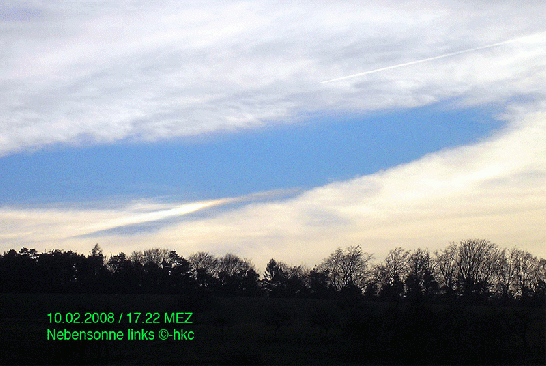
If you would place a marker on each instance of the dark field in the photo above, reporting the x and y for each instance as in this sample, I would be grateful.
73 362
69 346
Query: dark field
274 331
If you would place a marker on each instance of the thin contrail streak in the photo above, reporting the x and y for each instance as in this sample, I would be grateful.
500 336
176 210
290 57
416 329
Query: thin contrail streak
423 60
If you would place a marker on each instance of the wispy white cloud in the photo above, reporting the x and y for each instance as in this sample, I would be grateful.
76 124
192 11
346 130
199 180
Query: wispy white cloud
107 71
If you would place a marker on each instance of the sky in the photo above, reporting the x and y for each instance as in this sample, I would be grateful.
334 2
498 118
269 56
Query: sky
269 129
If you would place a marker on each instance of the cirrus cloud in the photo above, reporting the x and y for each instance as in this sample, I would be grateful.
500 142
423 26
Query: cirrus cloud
107 71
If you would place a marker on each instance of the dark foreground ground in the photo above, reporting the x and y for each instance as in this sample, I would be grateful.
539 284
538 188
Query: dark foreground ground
268 331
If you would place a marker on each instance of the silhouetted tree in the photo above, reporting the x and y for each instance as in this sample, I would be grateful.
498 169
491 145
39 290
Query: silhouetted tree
420 282
58 271
391 274
347 268
93 273
281 280
446 270
236 276
320 286
96 251
477 262
155 255
203 268
521 275
177 271
475 270
18 271
123 272
372 290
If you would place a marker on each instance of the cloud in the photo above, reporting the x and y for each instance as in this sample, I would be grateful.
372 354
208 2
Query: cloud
147 71
493 189
157 215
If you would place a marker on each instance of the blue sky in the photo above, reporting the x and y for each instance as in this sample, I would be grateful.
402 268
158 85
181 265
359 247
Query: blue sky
266 129
319 151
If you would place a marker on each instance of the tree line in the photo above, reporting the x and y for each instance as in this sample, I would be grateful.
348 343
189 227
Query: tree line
473 270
